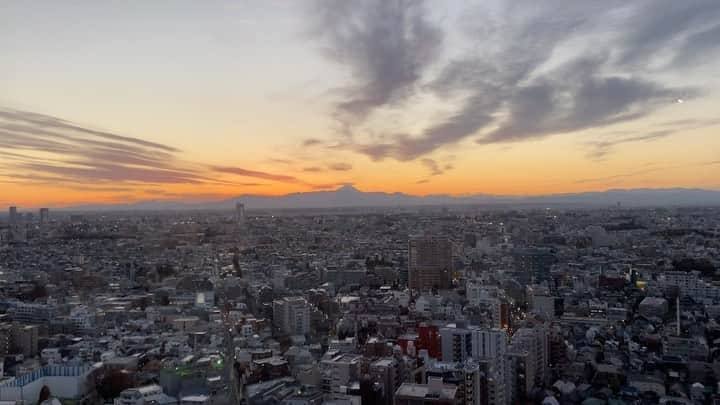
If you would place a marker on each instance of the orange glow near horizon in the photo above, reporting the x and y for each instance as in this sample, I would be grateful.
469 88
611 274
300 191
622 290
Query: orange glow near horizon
144 110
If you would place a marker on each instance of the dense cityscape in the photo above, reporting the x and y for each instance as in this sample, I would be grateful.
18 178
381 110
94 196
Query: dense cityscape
360 202
419 305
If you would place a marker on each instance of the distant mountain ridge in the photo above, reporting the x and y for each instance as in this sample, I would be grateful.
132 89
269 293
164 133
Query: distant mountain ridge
350 197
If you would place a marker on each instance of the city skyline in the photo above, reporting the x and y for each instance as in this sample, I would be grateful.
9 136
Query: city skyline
106 104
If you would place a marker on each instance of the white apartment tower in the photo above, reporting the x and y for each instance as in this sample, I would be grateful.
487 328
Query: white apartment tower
291 316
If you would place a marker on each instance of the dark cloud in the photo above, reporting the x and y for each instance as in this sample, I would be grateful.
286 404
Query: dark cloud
654 26
312 142
328 186
698 46
340 167
335 167
238 171
564 103
386 45
537 70
433 166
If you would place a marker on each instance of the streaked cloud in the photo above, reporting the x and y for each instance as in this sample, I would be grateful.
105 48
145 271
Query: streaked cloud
43 149
603 146
238 171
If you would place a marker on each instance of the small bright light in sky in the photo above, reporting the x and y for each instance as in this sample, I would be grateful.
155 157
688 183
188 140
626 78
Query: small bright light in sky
679 101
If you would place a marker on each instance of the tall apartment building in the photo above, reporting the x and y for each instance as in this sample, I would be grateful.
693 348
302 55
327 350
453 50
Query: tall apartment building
386 371
483 351
341 370
488 343
690 284
13 216
534 263
429 263
456 344
25 339
240 214
6 340
44 216
531 346
30 312
291 316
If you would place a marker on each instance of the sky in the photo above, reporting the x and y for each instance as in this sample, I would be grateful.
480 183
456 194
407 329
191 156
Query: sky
122 101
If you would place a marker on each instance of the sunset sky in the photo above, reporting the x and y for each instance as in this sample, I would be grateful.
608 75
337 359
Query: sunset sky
120 101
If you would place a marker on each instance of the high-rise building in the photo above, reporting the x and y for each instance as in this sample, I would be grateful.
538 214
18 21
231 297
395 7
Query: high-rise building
490 382
25 339
339 371
44 216
456 344
386 372
486 347
429 263
488 343
6 339
17 231
240 213
13 216
291 316
533 344
534 263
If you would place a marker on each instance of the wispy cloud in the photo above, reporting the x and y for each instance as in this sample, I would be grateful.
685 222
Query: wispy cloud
49 147
42 149
601 148
340 167
332 167
386 45
312 142
647 170
528 74
38 121
434 167
238 171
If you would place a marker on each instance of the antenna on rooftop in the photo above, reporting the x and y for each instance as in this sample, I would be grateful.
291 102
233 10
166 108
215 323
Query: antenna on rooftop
677 305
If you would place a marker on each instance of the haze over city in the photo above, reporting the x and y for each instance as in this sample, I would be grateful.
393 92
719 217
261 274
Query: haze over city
107 103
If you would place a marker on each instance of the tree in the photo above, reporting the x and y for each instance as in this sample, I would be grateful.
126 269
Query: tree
114 383
44 394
